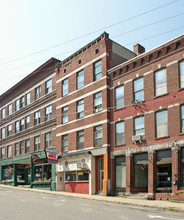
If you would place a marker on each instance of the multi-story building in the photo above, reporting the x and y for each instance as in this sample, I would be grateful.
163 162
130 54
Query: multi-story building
146 122
28 127
82 130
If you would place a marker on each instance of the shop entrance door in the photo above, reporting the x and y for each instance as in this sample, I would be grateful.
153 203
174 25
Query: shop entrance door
100 175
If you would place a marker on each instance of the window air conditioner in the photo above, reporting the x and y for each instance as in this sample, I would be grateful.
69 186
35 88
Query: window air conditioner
138 138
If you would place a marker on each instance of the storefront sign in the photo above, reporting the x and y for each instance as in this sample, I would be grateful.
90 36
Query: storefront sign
35 159
52 156
10 169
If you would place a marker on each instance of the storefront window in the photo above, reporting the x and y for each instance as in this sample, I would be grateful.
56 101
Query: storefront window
140 170
75 176
8 173
42 172
182 167
120 172
164 168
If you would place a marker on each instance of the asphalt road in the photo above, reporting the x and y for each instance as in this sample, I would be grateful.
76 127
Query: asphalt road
25 205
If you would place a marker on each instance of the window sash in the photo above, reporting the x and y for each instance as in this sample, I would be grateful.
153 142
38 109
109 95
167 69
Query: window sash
98 70
65 87
3 114
17 105
3 133
120 133
139 125
21 147
119 97
80 79
9 151
65 143
98 136
37 92
37 143
181 68
28 98
27 146
16 149
48 86
65 115
10 109
80 139
160 82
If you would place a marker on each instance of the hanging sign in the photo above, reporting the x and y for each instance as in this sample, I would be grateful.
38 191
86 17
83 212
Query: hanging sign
52 156
35 159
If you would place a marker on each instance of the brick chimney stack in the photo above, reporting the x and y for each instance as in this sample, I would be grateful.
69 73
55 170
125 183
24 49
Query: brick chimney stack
139 49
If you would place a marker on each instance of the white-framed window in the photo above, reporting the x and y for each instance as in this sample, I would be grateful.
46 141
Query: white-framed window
80 79
48 140
182 118
3 113
22 147
80 108
98 136
120 133
139 125
65 114
48 113
28 98
161 124
27 145
80 139
9 109
37 118
3 153
75 176
65 143
9 130
48 86
22 102
16 149
27 122
16 126
181 70
65 87
98 102
9 151
97 70
138 90
119 97
2 133
36 143
37 92
22 124
160 82
17 105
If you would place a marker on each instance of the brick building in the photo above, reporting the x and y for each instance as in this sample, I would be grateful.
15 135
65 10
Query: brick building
146 123
27 127
82 130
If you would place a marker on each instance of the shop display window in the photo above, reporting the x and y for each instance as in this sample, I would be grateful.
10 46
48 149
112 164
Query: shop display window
74 176
120 172
8 173
182 167
42 172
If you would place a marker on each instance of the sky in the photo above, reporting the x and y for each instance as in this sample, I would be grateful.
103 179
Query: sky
33 31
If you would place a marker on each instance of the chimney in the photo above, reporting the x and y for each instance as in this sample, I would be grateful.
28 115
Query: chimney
139 49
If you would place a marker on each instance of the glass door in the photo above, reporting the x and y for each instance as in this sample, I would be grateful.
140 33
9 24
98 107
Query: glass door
100 175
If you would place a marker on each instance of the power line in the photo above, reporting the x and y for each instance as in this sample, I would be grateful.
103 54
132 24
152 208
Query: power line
85 35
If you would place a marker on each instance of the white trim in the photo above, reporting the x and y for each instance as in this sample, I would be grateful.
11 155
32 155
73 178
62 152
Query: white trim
127 118
130 80
147 73
173 62
83 127
82 67
81 97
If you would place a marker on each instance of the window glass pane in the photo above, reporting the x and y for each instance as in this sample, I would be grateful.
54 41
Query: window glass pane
161 117
120 133
160 76
121 175
119 96
139 125
80 79
138 84
65 87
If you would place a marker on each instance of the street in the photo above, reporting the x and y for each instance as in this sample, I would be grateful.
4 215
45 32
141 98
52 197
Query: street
27 205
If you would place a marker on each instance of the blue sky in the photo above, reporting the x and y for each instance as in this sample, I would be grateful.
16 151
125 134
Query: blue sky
50 26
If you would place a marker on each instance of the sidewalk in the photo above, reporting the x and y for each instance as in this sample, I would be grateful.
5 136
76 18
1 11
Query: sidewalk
165 205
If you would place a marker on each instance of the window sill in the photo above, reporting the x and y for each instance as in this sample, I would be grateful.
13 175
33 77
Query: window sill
155 97
181 134
158 138
121 145
180 89
119 109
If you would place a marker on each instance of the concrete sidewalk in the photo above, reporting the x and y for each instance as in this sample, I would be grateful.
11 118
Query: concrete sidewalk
165 205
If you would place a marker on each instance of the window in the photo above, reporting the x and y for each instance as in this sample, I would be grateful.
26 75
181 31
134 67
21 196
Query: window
97 70
48 113
16 149
73 176
80 109
182 166
65 143
65 87
98 102
9 151
16 126
27 123
9 130
22 102
37 92
139 125
120 163
22 124
37 143
3 113
37 118
138 90
182 118
3 153
65 114
98 136
28 98
80 79
160 82
181 69
120 133
17 105
27 146
9 109
140 162
42 172
48 86
80 140
48 140
2 133
161 124
21 147
119 97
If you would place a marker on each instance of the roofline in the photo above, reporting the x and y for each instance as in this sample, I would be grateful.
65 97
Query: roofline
52 59
140 55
